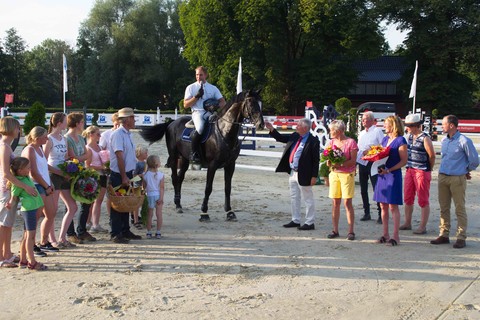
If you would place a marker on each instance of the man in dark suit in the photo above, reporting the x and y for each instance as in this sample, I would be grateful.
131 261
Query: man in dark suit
300 160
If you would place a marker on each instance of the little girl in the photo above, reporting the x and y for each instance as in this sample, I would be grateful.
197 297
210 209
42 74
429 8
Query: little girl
31 206
141 153
153 183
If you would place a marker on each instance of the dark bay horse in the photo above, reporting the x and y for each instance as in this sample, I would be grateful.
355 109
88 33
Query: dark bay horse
220 150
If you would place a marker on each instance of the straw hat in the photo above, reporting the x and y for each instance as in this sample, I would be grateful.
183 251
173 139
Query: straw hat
125 113
413 120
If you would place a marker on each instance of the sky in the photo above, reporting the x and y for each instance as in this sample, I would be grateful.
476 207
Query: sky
37 20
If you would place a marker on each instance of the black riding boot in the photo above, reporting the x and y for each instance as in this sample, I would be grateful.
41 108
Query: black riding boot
196 140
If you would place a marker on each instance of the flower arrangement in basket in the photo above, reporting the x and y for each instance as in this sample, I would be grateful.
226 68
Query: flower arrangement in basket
126 199
376 152
84 185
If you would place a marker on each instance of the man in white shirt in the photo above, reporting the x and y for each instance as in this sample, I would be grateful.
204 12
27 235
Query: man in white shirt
195 95
368 137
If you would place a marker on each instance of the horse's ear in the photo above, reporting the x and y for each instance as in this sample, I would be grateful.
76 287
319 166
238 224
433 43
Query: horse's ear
258 91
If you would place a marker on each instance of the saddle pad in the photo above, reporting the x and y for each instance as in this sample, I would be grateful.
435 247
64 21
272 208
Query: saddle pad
206 133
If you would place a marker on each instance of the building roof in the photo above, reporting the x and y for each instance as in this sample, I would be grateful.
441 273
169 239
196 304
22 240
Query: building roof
382 69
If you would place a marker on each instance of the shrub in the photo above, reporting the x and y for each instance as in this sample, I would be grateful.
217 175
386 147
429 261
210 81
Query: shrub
36 116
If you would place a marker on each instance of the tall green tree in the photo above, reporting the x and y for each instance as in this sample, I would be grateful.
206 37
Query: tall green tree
443 37
296 49
129 54
15 67
45 65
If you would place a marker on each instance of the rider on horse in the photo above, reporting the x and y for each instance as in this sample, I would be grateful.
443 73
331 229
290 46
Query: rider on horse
196 95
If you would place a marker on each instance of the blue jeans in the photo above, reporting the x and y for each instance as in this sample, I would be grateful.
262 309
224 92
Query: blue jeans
119 220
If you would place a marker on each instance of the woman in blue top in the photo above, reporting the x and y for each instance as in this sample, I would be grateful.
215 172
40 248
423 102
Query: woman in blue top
388 190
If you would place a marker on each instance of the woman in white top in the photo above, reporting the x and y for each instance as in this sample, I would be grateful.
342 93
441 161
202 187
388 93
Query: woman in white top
9 129
39 172
56 153
92 134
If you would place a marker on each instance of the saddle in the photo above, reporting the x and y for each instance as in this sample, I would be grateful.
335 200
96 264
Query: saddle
189 128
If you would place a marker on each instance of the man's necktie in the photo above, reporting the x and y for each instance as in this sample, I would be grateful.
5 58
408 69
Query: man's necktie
292 154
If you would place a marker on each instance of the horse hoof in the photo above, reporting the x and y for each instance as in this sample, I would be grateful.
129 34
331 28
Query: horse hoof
231 216
179 210
204 218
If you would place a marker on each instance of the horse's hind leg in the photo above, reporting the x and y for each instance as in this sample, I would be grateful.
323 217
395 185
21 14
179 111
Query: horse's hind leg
177 180
229 170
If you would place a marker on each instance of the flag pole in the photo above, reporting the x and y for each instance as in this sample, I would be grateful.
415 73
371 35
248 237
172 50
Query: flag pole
239 77
65 83
413 88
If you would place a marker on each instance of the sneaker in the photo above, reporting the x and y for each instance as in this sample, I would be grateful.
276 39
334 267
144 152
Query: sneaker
87 237
158 235
48 247
88 226
119 239
149 235
37 252
98 229
74 239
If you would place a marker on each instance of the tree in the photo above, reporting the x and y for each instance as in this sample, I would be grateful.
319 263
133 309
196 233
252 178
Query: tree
15 68
443 37
35 117
45 65
296 49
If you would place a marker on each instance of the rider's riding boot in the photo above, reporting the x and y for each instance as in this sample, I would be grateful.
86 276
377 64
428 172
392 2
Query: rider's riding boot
195 154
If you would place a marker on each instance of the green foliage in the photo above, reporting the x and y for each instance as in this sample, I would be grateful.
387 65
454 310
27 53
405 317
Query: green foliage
36 116
343 105
144 211
442 37
296 50
324 171
95 118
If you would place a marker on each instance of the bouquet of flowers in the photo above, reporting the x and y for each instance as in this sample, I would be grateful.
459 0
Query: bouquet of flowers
333 154
84 187
376 153
71 167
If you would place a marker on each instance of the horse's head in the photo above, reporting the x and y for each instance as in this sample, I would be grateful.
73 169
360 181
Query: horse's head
252 108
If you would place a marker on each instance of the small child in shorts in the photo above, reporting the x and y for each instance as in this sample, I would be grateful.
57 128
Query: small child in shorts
31 207
153 182
141 153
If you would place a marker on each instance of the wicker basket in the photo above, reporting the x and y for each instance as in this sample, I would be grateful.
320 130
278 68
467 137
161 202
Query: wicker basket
126 203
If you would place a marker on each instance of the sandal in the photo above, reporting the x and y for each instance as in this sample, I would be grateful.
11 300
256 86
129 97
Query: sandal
405 228
7 264
392 243
13 259
382 239
23 265
37 266
351 236
333 235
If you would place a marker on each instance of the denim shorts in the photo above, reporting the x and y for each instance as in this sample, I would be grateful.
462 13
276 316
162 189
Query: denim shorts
30 218
41 190
152 201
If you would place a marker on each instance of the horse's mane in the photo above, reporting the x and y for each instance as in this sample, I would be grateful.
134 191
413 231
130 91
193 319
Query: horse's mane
238 98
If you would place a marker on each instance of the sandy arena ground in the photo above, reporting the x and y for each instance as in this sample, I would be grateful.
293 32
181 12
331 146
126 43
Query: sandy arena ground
253 268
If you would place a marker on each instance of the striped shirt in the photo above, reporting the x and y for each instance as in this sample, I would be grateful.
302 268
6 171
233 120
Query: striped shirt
417 154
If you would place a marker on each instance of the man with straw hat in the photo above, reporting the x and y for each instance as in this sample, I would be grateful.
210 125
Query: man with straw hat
122 166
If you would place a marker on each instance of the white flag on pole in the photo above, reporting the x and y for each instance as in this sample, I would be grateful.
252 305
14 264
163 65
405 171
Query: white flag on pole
239 77
413 89
65 82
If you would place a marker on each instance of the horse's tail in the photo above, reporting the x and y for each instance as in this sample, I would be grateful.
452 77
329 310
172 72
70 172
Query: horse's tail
155 133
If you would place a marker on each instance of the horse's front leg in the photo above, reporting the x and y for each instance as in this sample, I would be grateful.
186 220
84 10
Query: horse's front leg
208 191
177 180
229 170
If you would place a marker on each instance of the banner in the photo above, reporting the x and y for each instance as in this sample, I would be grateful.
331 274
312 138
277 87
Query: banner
413 88
65 68
8 98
